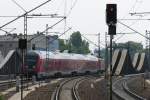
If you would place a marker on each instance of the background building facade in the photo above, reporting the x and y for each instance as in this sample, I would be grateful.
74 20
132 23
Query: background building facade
37 41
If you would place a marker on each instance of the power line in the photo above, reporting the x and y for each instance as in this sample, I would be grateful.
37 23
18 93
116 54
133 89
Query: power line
61 3
132 29
132 8
18 5
122 34
39 16
53 25
49 28
133 19
125 29
25 13
92 41
57 37
60 35
8 16
75 2
65 9
138 13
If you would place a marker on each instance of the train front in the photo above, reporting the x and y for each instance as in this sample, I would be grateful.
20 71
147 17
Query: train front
31 61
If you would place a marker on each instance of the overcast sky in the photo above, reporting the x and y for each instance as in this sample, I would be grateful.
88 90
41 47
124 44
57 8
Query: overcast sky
87 16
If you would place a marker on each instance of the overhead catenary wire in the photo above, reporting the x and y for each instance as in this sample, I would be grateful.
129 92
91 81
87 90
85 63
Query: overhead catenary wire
5 31
49 28
59 6
133 19
132 29
139 13
25 13
58 36
53 25
65 9
92 41
19 5
132 8
73 5
125 29
61 35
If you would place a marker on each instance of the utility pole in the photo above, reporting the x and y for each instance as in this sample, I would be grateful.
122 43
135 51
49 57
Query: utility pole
25 37
47 46
25 26
106 55
99 51
148 53
23 48
148 44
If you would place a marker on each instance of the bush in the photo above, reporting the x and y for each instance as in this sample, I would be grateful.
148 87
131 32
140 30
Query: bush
1 97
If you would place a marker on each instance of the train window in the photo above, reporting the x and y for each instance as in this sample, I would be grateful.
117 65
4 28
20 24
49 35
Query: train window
31 60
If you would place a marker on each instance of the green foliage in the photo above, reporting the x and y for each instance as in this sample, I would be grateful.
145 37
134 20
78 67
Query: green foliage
62 45
75 44
133 47
1 97
76 39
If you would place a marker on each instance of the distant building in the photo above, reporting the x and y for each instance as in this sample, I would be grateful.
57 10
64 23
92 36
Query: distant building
36 41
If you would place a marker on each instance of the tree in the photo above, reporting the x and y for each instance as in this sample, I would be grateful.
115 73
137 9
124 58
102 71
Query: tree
133 47
75 44
76 39
85 47
62 45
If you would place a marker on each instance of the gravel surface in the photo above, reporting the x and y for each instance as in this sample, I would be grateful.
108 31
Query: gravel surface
11 93
137 86
89 90
5 87
42 93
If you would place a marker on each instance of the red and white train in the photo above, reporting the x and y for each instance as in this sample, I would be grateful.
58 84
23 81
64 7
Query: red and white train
60 63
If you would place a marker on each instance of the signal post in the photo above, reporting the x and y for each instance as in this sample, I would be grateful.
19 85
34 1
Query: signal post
22 46
111 20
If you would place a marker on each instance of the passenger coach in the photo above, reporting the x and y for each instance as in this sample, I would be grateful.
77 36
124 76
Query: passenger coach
43 64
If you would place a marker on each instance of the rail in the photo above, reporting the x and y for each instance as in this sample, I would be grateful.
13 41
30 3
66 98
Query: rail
122 92
7 82
74 92
58 89
125 87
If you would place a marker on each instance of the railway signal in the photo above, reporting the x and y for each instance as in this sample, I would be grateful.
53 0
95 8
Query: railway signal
111 20
111 14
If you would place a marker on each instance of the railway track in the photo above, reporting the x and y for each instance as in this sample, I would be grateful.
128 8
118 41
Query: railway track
67 89
4 85
122 92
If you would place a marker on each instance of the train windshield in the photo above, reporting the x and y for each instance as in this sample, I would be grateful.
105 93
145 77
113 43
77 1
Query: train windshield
31 60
